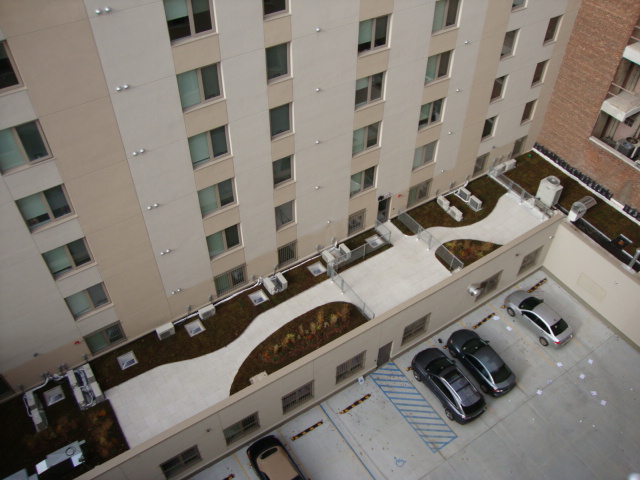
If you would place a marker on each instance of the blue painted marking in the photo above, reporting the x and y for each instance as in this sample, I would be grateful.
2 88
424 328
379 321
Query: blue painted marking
414 408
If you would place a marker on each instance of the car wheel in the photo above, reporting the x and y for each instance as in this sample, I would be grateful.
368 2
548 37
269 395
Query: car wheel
484 388
416 375
449 414
511 312
544 342
453 353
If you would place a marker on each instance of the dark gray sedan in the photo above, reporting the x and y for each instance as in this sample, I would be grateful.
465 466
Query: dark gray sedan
486 366
460 399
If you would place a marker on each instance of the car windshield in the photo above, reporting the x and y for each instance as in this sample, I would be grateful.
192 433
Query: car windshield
438 365
501 374
530 303
472 346
559 327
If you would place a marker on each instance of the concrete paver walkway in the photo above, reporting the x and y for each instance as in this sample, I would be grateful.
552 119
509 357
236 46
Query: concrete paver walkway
163 397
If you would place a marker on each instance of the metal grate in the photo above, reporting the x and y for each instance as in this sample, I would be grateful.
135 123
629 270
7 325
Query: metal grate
230 279
297 397
287 253
181 462
350 367
415 329
241 428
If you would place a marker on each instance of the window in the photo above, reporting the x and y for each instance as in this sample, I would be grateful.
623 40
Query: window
509 43
518 146
186 18
445 15
199 85
297 397
230 279
104 338
356 221
489 285
424 154
87 300
362 181
487 130
373 33
274 6
284 214
277 61
437 66
369 89
181 462
223 240
365 137
20 145
415 329
242 428
351 366
216 196
481 163
529 260
280 118
498 88
287 253
42 207
67 257
8 77
518 4
208 145
430 113
282 170
527 113
419 192
538 75
552 29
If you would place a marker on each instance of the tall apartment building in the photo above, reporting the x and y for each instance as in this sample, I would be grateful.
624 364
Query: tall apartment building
593 120
157 155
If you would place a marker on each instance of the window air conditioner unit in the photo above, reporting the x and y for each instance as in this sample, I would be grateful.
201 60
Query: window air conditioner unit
345 251
475 203
463 194
206 312
194 328
165 331
455 214
127 360
283 283
443 202
510 164
270 286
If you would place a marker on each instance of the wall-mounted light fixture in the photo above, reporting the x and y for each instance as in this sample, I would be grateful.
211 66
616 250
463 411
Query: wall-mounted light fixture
317 29
164 252
474 290
177 290
138 152
152 206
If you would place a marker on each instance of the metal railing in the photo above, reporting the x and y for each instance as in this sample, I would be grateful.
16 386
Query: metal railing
521 193
453 262
383 231
345 288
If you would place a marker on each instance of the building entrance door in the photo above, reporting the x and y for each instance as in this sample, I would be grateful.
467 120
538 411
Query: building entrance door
383 209
384 354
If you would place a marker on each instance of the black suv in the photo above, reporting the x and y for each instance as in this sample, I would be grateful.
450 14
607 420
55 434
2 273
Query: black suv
461 400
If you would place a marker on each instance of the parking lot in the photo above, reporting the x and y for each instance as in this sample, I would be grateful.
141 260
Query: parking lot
573 414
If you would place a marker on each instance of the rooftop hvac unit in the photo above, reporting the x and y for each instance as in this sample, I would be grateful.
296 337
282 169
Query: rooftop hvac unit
194 328
328 256
165 331
463 194
510 164
84 386
36 411
628 147
455 213
499 169
282 282
345 251
475 203
443 202
206 312
579 208
270 285
549 190
127 360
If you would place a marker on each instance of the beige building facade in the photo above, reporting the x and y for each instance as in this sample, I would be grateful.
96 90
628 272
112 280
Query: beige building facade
156 156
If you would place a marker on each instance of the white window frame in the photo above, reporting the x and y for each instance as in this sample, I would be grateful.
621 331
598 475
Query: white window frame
528 112
12 64
372 38
283 132
518 4
554 23
281 220
480 165
103 332
542 66
370 91
436 64
234 278
192 28
493 121
48 210
275 168
287 253
225 240
205 211
518 146
433 115
366 144
13 132
501 83
213 154
201 86
418 193
512 47
363 185
280 11
86 295
286 74
425 155
446 7
357 221
72 261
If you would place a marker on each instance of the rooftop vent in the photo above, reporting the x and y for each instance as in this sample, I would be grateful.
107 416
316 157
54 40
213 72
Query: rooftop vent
54 395
127 360
194 328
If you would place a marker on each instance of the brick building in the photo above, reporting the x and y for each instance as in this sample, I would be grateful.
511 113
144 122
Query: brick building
592 121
